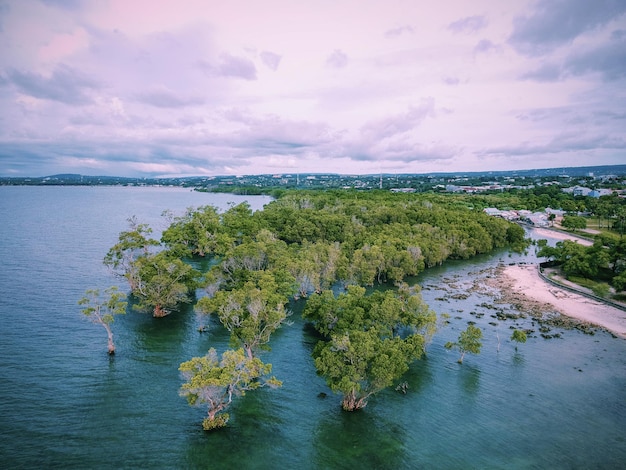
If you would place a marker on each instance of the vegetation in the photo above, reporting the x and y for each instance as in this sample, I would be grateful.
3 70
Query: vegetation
469 342
216 381
519 336
594 266
102 311
160 281
370 340
574 222
163 283
307 245
251 313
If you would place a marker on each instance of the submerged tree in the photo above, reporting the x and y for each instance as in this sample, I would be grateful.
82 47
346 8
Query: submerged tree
198 232
132 245
216 381
359 364
371 340
102 310
252 312
468 342
519 336
163 282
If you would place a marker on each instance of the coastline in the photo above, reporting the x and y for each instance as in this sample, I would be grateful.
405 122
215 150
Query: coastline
522 284
523 281
558 235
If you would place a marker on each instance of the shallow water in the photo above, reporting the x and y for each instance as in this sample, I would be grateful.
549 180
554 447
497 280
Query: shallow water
557 403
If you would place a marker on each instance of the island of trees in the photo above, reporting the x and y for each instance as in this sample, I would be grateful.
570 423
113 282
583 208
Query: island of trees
325 248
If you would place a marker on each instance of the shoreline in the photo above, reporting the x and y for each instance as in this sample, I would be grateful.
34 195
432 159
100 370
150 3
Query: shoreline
558 235
524 281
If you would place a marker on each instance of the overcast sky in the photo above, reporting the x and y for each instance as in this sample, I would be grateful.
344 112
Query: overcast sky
216 87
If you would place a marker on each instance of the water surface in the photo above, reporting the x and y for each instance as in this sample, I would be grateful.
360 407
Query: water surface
557 403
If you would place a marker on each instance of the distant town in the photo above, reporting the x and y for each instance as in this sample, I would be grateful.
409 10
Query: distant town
592 181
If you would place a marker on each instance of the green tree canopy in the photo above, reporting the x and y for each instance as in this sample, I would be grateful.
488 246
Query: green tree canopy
215 381
132 245
198 232
163 282
102 311
251 312
370 339
359 364
469 342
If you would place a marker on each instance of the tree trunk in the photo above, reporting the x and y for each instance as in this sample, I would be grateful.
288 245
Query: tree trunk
351 402
111 345
159 312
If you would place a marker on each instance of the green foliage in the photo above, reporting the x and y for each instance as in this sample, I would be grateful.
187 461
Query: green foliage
251 312
469 342
132 245
361 363
215 381
198 232
163 282
306 243
574 222
519 336
384 236
619 281
102 311
371 339
603 262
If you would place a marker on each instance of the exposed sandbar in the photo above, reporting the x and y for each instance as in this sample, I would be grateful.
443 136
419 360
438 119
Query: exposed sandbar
525 280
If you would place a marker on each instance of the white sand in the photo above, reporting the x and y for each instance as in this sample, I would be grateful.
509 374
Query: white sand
526 281
542 232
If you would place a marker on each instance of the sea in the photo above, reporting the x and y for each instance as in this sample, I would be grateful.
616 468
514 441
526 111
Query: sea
557 402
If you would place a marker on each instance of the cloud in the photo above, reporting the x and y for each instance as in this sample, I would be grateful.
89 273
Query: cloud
65 85
271 60
338 59
607 59
484 46
548 72
400 123
562 143
236 67
275 134
397 138
165 98
399 31
64 4
188 89
554 23
230 66
4 10
451 80
470 24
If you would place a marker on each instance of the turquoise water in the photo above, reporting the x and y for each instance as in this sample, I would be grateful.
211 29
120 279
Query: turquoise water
558 403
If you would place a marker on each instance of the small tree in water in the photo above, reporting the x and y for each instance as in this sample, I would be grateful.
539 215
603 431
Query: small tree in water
216 382
519 336
469 341
102 311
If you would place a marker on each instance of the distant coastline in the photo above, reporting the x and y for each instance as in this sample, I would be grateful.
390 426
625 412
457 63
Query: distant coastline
476 181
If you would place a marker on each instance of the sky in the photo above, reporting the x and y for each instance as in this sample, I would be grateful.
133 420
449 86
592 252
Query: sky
239 87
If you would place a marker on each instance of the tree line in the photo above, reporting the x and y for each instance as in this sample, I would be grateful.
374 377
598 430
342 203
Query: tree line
325 247
603 261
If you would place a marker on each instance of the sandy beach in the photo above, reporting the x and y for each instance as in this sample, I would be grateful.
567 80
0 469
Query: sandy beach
542 232
524 280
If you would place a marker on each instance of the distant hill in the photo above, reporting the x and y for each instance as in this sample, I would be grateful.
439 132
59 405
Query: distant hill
314 180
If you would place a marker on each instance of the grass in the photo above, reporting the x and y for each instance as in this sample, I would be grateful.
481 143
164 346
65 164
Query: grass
601 289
